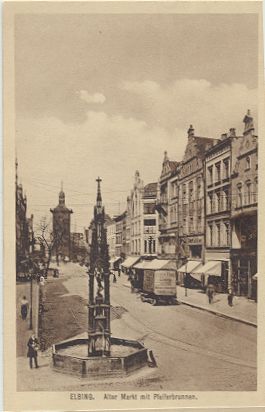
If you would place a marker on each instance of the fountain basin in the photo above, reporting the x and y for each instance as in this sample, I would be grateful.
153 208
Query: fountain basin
126 356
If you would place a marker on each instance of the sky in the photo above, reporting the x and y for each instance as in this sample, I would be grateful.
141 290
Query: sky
106 95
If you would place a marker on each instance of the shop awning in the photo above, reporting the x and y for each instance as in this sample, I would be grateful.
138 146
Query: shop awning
130 261
155 264
190 266
142 265
211 268
114 259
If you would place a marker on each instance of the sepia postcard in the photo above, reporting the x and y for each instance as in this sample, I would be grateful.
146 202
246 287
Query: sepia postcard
133 199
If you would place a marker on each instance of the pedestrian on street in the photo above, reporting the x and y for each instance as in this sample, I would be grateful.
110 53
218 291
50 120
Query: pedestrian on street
114 278
33 347
210 292
230 297
24 307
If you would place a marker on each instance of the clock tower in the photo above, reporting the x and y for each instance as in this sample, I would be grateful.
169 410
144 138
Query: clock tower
62 226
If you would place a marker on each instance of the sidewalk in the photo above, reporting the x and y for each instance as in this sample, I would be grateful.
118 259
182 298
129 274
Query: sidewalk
23 331
243 309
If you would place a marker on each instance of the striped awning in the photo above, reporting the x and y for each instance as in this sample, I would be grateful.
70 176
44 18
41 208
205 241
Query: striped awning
130 261
211 268
190 266
156 264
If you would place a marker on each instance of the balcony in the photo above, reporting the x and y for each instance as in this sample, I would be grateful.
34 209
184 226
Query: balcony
150 229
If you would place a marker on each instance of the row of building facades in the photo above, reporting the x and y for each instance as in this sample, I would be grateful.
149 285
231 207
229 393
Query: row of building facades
31 249
202 213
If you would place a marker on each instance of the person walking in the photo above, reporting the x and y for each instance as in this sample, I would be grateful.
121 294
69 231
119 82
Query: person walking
33 347
24 308
210 292
230 297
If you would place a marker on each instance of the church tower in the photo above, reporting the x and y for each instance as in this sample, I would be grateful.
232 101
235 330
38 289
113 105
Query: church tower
62 226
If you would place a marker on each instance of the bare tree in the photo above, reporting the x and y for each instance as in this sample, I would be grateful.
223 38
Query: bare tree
49 240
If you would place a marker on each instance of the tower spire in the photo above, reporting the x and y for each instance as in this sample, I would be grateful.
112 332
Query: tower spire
99 197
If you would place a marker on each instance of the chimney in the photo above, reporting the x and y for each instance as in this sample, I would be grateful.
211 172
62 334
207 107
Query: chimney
232 132
249 125
165 157
190 131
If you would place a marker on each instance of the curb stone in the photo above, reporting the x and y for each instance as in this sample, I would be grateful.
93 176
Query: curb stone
221 314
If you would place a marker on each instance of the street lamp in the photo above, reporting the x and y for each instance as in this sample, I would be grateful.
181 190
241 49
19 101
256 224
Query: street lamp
31 299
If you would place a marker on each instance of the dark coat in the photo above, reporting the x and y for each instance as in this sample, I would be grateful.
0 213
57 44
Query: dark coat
32 352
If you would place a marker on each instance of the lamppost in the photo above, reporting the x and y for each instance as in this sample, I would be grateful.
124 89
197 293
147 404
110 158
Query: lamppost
31 299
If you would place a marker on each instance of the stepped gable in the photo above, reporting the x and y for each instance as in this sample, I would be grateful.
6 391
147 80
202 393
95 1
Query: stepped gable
197 146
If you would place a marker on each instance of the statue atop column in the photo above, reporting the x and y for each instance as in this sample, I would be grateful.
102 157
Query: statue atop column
99 304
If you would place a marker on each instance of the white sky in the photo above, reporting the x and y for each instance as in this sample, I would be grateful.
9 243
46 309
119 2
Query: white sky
108 94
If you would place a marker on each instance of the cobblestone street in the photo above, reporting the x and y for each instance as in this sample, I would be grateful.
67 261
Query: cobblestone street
194 350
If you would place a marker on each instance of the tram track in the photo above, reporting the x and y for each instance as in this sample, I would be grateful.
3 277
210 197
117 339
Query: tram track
160 337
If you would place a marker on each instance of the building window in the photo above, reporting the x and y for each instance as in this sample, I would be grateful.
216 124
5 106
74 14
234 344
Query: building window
227 233
248 193
149 208
225 200
184 226
255 192
210 197
218 201
226 168
145 246
184 193
210 226
191 228
210 175
247 162
239 195
190 191
149 222
199 224
218 172
199 185
218 234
